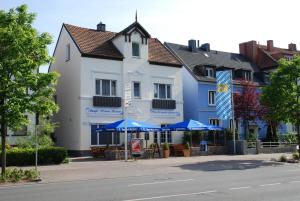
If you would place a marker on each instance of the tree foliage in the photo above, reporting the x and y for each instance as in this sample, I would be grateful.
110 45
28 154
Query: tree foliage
247 105
282 96
23 90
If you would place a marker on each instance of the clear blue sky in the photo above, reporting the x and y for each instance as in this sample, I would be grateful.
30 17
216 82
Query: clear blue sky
222 23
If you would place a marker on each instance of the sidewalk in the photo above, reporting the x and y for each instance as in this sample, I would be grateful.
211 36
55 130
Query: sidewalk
91 169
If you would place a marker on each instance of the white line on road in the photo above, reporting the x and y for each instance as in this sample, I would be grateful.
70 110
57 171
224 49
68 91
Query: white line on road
273 184
238 188
175 195
160 182
294 182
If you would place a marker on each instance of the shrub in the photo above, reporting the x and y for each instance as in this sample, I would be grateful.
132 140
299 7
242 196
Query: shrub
283 158
290 138
15 175
166 146
296 156
26 156
187 146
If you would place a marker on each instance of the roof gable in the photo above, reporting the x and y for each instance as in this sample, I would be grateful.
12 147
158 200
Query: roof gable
98 44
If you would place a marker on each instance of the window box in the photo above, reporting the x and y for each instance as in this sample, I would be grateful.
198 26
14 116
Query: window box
163 104
106 101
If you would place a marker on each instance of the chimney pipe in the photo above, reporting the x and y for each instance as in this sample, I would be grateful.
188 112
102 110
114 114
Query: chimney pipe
101 27
192 45
270 45
292 47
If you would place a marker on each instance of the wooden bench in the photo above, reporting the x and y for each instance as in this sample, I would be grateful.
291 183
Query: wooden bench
177 149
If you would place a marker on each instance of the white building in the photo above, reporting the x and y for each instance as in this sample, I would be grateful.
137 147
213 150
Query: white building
95 65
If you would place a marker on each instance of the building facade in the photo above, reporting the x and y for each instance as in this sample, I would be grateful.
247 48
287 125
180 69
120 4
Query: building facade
199 82
96 66
266 58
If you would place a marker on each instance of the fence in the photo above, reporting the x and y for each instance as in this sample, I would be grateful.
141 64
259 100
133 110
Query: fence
277 144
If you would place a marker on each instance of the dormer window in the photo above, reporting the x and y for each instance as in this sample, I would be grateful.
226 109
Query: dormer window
247 75
135 49
288 57
210 72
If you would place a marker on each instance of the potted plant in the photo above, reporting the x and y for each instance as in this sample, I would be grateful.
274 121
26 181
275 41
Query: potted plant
166 149
186 150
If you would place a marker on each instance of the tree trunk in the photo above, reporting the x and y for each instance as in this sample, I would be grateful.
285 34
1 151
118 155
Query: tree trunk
3 148
298 133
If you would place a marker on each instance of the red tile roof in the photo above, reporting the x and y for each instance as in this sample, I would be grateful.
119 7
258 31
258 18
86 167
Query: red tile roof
93 43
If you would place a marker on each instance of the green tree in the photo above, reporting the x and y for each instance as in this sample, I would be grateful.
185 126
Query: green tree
282 96
23 90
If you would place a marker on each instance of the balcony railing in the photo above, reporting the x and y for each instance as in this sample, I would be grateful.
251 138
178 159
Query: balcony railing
163 104
105 101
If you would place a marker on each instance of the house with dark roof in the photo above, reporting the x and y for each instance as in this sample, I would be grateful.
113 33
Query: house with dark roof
96 67
266 56
199 82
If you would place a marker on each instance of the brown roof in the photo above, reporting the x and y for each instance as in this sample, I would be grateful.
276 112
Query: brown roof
93 43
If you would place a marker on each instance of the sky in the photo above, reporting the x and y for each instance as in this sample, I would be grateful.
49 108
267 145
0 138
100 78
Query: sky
222 23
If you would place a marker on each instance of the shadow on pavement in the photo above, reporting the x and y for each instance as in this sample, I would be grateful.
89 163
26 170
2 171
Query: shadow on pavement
228 165
86 159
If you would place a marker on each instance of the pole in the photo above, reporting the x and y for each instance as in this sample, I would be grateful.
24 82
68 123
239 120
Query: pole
36 149
232 110
126 143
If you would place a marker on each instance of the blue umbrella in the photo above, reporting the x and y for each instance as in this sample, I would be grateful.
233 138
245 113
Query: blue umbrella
215 128
186 126
131 126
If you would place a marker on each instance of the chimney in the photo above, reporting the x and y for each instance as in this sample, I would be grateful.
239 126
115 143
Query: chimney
205 47
192 45
270 45
101 27
292 47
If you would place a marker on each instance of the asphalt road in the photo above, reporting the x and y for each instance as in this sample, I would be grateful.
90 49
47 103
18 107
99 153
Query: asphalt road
218 181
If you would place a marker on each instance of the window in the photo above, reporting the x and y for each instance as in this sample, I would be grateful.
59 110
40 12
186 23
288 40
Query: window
288 57
162 91
211 97
68 52
247 75
215 122
210 72
22 131
106 87
135 49
155 137
136 90
166 136
103 138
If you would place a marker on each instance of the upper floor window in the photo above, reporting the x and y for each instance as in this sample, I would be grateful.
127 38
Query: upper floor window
215 122
247 75
210 72
106 87
162 91
68 52
135 49
136 89
288 57
211 97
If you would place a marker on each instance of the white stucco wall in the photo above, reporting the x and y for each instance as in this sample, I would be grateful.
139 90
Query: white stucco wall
76 88
68 91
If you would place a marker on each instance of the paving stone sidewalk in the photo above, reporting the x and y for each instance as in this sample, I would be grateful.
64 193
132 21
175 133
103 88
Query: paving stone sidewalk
91 169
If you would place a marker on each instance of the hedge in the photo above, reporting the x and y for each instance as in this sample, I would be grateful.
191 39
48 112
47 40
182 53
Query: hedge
26 156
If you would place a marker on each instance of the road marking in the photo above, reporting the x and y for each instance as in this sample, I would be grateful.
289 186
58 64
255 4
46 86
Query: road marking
160 182
294 182
175 195
293 170
272 184
238 188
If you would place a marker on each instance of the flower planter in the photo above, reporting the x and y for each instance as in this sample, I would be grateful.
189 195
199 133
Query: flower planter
186 153
166 153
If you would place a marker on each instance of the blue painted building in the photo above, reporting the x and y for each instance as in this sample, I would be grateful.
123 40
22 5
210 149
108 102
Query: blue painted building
199 82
